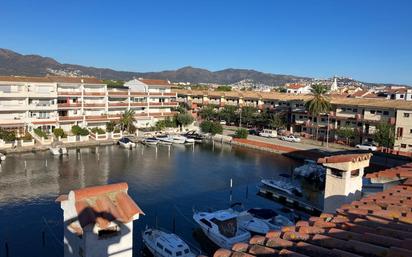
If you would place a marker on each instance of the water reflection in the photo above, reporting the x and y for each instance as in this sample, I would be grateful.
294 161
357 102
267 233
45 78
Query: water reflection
160 180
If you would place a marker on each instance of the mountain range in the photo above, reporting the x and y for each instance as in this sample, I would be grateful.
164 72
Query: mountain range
12 63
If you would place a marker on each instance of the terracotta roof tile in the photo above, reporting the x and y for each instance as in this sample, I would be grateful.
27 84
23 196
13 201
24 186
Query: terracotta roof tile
345 158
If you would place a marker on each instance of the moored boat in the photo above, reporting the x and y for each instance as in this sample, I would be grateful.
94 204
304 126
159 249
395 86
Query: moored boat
150 141
57 148
273 219
163 244
283 185
126 143
221 227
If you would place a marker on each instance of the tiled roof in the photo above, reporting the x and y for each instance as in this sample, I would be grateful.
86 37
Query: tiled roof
155 82
399 172
362 102
295 86
345 158
50 79
102 204
377 225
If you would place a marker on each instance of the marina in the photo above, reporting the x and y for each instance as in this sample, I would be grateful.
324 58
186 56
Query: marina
168 182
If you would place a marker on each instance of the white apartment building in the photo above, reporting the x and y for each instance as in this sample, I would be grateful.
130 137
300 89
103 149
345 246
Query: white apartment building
49 102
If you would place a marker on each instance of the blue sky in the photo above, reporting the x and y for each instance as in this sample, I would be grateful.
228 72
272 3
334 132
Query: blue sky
369 40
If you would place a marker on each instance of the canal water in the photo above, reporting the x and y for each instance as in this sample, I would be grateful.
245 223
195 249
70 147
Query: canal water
164 183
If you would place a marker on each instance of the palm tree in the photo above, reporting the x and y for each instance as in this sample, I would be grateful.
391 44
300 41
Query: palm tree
319 104
127 120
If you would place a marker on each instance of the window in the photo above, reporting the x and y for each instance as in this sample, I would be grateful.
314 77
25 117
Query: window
372 111
336 173
354 173
108 232
401 96
186 251
159 245
355 110
410 131
178 253
385 113
168 251
379 112
403 145
406 115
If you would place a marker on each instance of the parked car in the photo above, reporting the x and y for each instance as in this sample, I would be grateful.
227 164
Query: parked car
268 133
367 146
291 138
254 132
222 122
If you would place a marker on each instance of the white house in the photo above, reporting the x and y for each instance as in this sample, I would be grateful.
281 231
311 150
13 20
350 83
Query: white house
298 89
98 221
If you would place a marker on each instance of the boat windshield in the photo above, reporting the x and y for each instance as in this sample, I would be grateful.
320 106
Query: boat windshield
228 227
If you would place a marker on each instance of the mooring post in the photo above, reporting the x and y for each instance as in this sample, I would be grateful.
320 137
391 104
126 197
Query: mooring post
231 186
6 245
43 238
45 163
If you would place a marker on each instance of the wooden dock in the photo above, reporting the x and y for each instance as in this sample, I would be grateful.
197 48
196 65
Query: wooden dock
290 200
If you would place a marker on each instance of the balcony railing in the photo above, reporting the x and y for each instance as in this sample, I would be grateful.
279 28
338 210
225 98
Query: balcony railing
70 118
96 118
138 94
118 104
143 104
118 93
88 93
162 94
94 105
69 105
163 104
69 93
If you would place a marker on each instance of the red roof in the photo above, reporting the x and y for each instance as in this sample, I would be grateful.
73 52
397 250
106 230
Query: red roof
102 204
155 82
345 158
377 225
295 86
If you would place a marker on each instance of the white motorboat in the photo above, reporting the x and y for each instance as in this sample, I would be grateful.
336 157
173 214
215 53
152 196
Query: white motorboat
58 150
150 141
165 139
172 139
126 143
222 228
274 220
283 185
311 170
250 223
163 244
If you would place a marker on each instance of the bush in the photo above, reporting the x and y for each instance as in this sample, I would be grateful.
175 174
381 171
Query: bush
27 137
110 126
211 127
58 132
40 133
97 130
116 130
241 133
7 135
79 131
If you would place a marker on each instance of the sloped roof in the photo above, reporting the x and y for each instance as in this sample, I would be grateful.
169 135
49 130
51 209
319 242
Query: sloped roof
296 86
377 225
155 82
345 158
102 204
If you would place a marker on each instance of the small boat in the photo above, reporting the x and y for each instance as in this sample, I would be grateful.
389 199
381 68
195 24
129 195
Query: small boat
250 223
165 139
2 157
190 141
58 150
274 220
163 244
176 139
311 171
283 185
221 227
195 136
126 143
150 141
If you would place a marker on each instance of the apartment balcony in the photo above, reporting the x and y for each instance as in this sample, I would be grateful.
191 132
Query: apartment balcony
70 118
16 122
164 104
97 118
69 93
43 121
142 94
51 94
43 107
114 116
162 94
69 105
13 107
17 94
162 114
94 94
118 105
141 104
94 105
118 93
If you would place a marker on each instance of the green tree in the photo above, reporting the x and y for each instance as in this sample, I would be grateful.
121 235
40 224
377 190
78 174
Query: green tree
249 114
184 119
79 131
211 127
228 113
110 126
241 133
7 135
277 121
319 104
346 132
127 121
58 132
224 88
208 112
385 135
